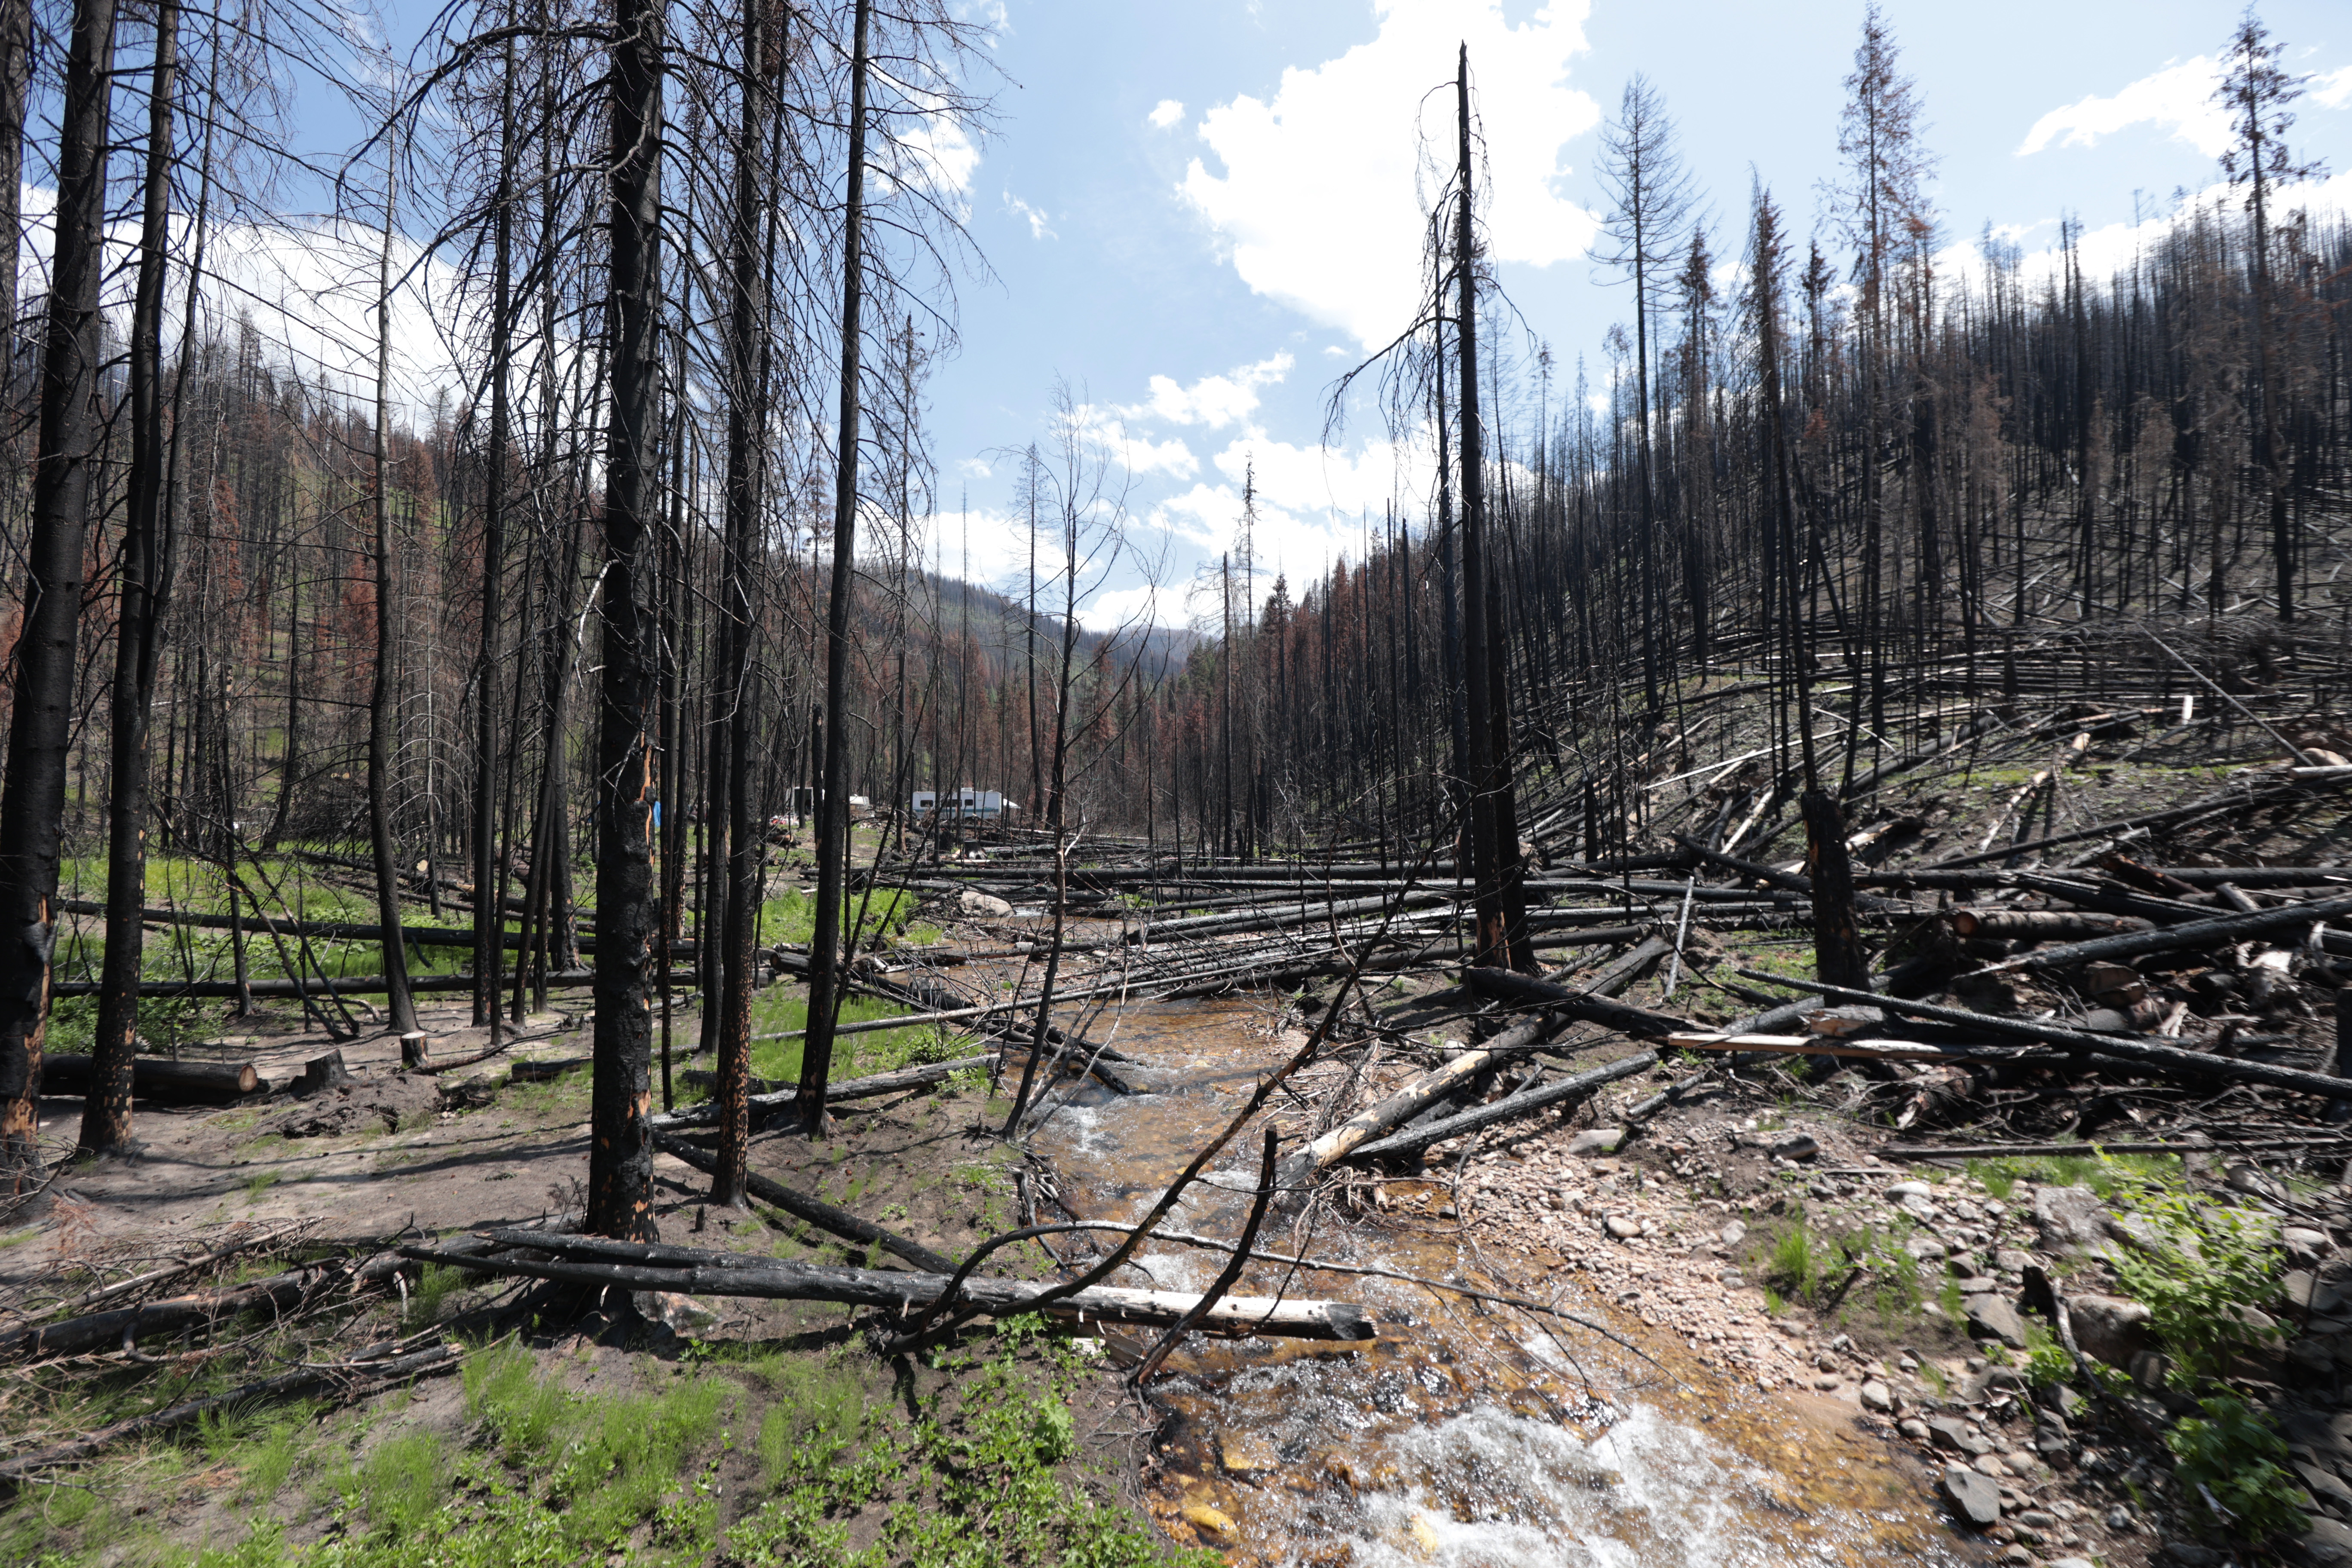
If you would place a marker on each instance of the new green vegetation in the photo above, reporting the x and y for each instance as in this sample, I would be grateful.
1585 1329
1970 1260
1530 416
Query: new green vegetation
757 1456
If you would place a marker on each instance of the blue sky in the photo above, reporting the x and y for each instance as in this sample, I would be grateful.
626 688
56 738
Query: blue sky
1200 213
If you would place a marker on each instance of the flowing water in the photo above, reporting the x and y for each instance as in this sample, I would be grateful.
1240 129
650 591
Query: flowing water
1462 1436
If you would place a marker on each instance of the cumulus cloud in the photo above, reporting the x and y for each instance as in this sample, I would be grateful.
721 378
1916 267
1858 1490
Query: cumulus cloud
1147 605
2178 99
1037 217
1215 401
1165 113
1318 205
2333 90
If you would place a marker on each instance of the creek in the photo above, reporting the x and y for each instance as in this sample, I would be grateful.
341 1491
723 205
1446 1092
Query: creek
1467 1436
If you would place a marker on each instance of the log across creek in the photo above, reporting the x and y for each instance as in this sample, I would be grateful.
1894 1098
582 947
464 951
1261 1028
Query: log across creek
635 1266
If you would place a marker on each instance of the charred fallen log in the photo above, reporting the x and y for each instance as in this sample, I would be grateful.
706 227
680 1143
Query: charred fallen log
633 1266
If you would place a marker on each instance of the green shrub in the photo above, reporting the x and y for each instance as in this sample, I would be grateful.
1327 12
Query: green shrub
2214 1262
2233 1469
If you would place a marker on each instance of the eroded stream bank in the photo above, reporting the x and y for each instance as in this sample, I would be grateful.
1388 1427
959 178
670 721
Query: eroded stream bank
1470 1432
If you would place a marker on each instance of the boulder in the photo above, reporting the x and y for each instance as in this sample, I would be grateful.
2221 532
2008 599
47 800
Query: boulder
1876 1395
1951 1432
2111 1329
1598 1140
972 901
1976 1498
2327 1543
2069 1217
1992 1317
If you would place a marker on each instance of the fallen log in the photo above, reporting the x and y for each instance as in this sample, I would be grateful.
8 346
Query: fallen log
327 931
1412 1100
629 1266
2163 1061
339 986
1303 913
1526 1102
2232 800
904 1079
122 1325
1830 1045
1503 986
2174 938
2094 1146
157 1079
2040 925
840 1221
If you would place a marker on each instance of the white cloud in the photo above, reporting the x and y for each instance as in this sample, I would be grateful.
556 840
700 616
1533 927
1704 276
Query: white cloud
979 546
1320 202
1215 401
1037 217
1146 605
1165 113
2180 98
2333 90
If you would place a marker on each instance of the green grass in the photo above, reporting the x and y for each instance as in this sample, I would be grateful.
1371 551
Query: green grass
979 1470
781 1009
1841 1271
790 917
2106 1174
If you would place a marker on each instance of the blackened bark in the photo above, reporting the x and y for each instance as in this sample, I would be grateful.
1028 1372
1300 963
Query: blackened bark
1837 939
746 423
106 1105
32 808
398 1003
490 901
1498 896
832 796
620 1154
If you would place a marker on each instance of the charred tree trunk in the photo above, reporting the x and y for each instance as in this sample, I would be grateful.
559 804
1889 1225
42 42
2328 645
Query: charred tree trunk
833 794
142 574
620 1154
399 1004
32 809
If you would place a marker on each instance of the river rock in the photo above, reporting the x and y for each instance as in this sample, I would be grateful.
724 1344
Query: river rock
1244 1453
1993 1316
1978 1498
1901 1190
1876 1395
1216 1525
1951 1432
1598 1140
2328 1543
1732 1235
2112 1329
2069 1217
972 901
1624 1227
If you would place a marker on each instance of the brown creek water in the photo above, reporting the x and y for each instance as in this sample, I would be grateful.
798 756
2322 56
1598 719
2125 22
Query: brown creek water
1465 1437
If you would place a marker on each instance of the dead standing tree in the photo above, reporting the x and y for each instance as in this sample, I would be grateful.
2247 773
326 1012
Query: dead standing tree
32 808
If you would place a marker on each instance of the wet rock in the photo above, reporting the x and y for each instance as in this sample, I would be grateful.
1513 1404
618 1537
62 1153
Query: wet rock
1976 1497
1876 1395
2069 1217
1216 1525
2328 1543
972 901
1245 1453
2112 1329
1598 1140
1993 1317
1623 1227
